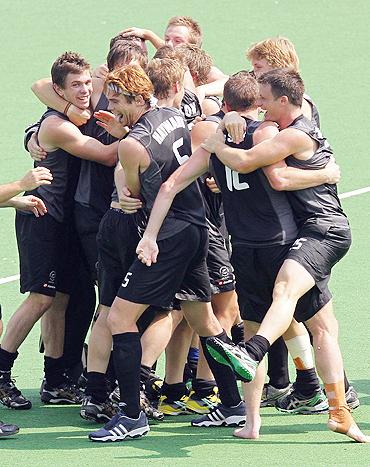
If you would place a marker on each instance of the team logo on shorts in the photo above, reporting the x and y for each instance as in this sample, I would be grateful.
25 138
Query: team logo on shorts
52 277
224 271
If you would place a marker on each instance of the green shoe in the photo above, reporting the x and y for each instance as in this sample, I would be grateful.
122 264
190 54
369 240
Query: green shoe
236 357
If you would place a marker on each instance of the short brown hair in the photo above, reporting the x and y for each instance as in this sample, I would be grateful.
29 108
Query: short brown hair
166 51
122 37
124 52
279 52
198 61
164 73
285 82
69 62
130 80
241 91
195 33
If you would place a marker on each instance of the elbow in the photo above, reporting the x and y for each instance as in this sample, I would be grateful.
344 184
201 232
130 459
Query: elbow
278 184
168 190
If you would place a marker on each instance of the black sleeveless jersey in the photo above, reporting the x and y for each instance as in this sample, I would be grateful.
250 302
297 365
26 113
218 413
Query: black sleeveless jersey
321 201
190 107
58 196
315 118
255 214
212 201
95 184
164 134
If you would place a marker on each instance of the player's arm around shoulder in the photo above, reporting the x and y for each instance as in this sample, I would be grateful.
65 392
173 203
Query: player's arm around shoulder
55 132
200 132
134 159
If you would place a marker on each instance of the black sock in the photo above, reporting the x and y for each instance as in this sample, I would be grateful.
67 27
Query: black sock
237 333
306 382
346 382
278 372
96 386
257 347
7 359
174 392
111 373
203 387
127 358
54 371
224 376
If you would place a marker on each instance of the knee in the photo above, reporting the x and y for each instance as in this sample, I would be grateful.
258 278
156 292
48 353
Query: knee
320 328
283 290
40 303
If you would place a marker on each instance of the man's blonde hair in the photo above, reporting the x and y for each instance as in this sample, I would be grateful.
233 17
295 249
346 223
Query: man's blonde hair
198 62
279 52
165 73
195 33
131 81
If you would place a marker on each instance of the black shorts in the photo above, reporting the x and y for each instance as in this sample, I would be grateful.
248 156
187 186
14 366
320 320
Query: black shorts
180 271
46 256
319 246
87 222
218 262
117 240
255 271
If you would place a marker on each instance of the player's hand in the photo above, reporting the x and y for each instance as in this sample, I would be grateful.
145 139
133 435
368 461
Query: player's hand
138 32
36 152
100 72
333 171
78 116
35 178
199 119
212 185
147 251
128 204
110 123
235 125
30 204
213 141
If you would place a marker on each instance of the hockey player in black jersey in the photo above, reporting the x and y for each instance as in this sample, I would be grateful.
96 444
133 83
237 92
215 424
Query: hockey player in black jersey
323 239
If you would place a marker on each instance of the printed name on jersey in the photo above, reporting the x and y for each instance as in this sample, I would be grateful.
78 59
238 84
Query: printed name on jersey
167 127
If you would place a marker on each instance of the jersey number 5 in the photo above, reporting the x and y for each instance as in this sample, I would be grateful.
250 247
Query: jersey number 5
233 182
175 148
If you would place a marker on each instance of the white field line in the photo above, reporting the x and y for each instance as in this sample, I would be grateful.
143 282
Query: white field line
349 194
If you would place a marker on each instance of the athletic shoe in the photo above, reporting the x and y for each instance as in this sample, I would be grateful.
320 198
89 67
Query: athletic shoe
64 394
122 427
97 411
270 394
114 395
150 411
146 406
171 407
235 356
352 398
222 416
8 430
205 404
153 389
294 402
10 395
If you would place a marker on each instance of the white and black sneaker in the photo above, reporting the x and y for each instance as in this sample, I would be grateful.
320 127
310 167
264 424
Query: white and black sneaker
97 411
10 395
270 394
6 429
66 393
122 427
222 416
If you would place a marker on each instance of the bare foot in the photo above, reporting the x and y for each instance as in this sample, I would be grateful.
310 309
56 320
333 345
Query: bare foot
249 430
354 431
